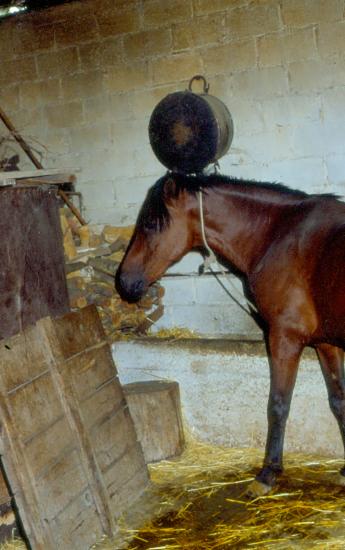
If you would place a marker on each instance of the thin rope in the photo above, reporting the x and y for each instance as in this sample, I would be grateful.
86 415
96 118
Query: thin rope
211 258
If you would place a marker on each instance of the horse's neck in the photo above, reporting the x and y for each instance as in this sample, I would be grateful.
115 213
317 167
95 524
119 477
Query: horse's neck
238 226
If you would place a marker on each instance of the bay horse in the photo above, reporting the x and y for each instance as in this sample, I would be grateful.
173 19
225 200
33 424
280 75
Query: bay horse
290 248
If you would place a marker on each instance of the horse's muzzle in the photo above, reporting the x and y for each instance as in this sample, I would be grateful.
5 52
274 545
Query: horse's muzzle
131 288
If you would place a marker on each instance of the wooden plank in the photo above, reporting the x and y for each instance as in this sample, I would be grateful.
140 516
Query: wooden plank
34 407
78 526
120 472
47 447
110 438
76 333
23 174
102 404
156 411
127 493
61 484
91 370
34 359
69 444
18 472
64 343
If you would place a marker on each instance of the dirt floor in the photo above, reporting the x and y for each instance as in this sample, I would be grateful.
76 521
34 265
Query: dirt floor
198 502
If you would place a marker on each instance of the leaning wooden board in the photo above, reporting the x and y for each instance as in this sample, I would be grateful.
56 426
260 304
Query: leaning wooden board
69 446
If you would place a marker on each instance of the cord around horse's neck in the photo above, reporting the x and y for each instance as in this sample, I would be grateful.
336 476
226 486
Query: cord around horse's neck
211 258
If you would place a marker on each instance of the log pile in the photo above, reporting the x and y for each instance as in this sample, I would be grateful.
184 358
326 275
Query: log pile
92 256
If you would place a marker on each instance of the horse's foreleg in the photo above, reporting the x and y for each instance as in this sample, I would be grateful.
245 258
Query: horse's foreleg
284 357
332 364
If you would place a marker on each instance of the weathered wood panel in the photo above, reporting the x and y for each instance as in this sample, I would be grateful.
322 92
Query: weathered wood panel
156 411
32 276
69 445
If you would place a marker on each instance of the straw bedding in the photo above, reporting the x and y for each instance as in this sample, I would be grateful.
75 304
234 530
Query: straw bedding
198 502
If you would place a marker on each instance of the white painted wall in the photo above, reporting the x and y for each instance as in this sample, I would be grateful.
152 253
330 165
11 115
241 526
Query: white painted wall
224 391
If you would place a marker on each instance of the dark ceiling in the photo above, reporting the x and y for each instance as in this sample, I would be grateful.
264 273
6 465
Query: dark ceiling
32 4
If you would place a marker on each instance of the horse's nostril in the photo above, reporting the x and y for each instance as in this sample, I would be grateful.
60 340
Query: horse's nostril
138 286
129 288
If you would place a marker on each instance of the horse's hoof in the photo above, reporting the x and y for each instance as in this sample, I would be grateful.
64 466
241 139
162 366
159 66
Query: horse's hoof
257 489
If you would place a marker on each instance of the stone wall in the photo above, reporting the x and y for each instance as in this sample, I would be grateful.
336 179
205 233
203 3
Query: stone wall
83 78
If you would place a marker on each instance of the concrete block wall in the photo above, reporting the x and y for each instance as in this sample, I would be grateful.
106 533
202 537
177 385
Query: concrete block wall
80 81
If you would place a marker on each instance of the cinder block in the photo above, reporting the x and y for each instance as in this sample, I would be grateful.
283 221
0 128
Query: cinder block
335 166
126 77
57 63
57 142
95 55
331 38
316 75
146 164
36 94
132 190
105 192
235 56
82 85
29 37
64 115
333 101
175 68
6 39
87 138
157 13
142 102
292 110
147 43
205 30
97 109
306 174
21 70
9 97
309 140
76 29
247 115
209 291
202 7
129 135
260 84
267 146
187 265
113 21
255 19
111 215
305 12
179 291
287 47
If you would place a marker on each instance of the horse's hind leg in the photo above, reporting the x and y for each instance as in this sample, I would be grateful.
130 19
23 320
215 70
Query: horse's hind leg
332 365
285 353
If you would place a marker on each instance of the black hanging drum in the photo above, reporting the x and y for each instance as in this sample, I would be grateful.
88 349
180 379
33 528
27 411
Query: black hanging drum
188 131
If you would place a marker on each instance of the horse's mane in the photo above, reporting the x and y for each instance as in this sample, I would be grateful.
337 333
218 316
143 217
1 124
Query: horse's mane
154 214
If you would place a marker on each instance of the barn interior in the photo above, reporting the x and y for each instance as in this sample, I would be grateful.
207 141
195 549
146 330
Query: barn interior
79 82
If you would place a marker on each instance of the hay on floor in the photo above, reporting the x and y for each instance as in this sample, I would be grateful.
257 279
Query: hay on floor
198 501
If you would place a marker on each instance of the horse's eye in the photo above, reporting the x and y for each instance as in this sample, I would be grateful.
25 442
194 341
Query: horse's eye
150 225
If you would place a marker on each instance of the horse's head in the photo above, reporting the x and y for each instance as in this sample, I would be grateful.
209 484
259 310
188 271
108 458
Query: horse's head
162 235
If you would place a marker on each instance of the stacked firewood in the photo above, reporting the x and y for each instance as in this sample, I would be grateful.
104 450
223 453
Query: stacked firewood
92 256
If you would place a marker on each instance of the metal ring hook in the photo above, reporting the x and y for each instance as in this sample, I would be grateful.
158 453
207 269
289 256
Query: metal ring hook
199 77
